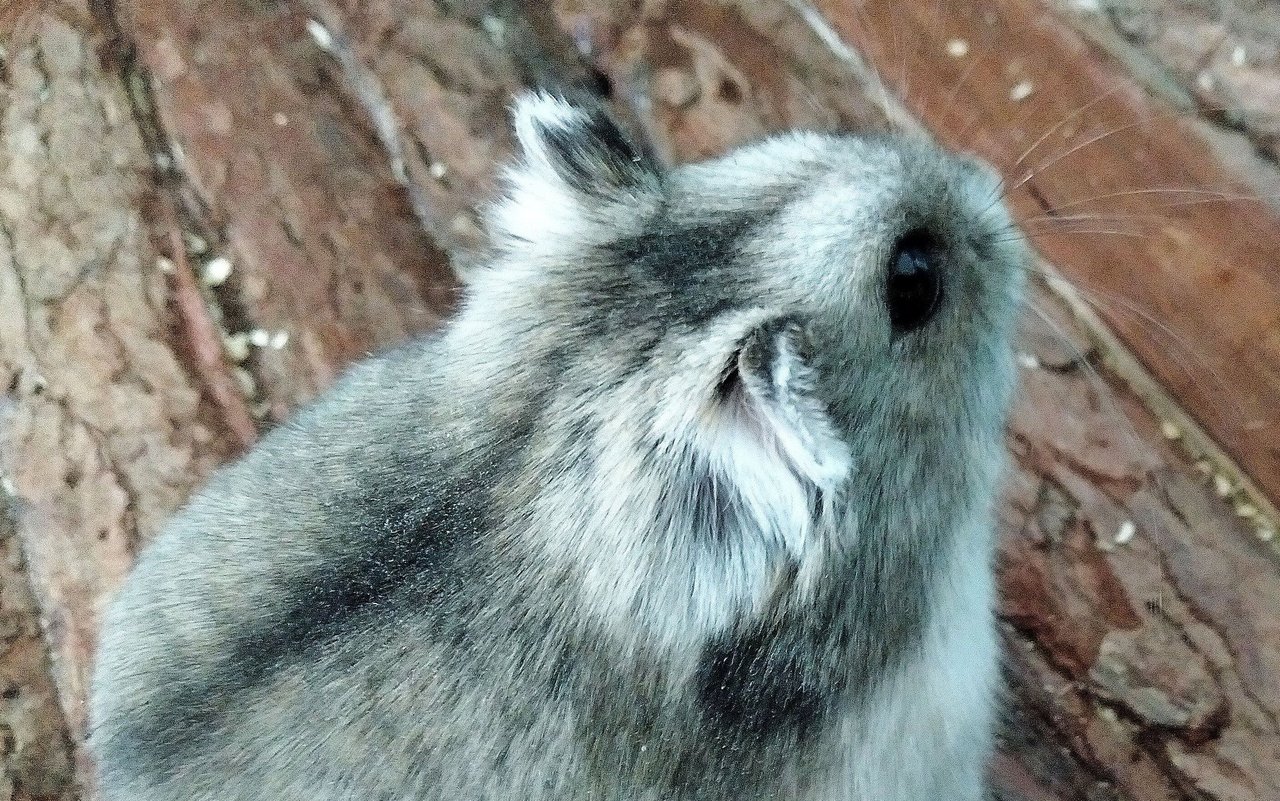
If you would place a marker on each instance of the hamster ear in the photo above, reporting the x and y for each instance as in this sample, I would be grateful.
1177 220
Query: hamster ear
579 145
768 389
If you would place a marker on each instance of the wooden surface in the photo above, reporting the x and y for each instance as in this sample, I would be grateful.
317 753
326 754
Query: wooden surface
335 169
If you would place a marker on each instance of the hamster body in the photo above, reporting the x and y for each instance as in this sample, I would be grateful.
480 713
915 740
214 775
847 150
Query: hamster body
691 502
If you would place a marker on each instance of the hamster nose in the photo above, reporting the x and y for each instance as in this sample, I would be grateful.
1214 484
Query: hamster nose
913 284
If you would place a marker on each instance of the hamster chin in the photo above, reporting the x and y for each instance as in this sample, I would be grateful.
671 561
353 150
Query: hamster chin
691 502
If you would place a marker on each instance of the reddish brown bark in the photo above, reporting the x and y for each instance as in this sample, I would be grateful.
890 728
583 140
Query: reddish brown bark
35 752
105 431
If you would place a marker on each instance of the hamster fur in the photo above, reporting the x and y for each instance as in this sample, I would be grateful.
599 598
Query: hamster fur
691 502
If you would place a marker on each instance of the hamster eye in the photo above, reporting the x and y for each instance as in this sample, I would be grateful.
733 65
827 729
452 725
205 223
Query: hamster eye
913 285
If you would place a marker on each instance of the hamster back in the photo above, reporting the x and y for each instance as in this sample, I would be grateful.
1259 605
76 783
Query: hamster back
691 502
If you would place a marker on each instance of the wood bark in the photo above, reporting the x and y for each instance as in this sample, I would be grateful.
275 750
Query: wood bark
207 209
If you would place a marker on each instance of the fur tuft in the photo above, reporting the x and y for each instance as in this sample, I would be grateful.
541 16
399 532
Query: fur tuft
578 177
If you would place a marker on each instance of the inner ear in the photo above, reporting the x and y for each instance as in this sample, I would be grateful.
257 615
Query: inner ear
769 387
578 143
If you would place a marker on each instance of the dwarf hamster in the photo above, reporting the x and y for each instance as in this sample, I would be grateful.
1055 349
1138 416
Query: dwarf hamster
690 502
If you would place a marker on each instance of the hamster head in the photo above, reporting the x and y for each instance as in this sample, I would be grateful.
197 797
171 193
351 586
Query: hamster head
769 347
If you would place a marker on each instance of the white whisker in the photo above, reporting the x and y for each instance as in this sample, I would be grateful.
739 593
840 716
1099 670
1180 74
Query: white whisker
1073 115
1086 143
1096 297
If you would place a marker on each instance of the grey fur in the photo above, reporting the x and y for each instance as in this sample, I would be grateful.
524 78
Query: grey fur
553 552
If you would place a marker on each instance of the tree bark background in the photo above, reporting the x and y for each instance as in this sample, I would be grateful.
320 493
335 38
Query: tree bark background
208 208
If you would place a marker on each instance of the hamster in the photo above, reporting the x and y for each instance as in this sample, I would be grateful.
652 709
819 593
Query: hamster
692 501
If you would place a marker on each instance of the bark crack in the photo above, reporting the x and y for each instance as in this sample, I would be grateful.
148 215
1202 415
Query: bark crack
186 213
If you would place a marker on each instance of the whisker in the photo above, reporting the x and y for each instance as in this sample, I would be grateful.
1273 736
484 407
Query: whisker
949 101
1105 231
1086 143
1204 196
1223 198
1099 383
1172 115
1052 217
1073 115
996 196
1096 297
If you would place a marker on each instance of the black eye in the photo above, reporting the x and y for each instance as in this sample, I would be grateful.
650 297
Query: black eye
913 285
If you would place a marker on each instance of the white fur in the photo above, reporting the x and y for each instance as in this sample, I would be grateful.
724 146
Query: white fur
925 733
540 215
802 433
540 111
768 459
773 455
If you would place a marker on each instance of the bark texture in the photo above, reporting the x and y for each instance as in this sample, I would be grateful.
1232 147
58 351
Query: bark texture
208 208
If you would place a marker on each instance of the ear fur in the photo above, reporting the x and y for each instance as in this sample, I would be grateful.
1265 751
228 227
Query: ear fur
768 389
579 179
769 437
744 397
580 145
